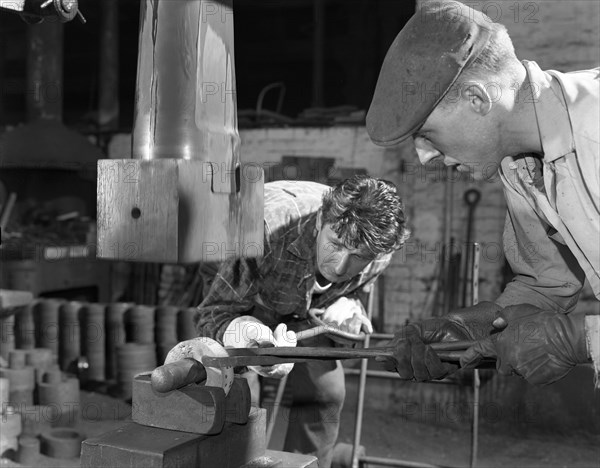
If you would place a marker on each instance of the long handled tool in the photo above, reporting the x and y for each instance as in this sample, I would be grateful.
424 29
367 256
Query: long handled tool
176 374
450 352
471 198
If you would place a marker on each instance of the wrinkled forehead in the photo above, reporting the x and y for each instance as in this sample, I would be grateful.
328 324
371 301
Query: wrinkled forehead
332 238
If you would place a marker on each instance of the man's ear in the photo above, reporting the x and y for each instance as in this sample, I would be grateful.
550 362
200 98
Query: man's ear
478 97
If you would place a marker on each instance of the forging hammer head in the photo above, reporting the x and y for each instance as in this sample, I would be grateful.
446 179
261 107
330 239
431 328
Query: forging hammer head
198 348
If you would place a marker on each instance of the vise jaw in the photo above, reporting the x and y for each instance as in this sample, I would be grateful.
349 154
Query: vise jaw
194 408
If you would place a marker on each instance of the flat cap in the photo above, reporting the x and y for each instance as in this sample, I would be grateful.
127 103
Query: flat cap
436 44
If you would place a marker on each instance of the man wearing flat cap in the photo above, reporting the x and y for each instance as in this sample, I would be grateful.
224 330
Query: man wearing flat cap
452 83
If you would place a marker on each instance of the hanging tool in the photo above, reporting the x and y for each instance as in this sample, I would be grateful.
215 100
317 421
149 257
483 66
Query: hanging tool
449 257
475 253
471 197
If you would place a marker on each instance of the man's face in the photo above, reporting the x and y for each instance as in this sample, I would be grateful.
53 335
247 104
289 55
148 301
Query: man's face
459 137
335 261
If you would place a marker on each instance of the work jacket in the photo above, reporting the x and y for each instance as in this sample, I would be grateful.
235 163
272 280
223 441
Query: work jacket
552 231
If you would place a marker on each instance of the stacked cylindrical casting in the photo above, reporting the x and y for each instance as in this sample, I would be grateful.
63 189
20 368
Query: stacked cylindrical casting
69 345
61 443
4 392
10 428
62 393
10 422
138 353
45 344
29 450
93 338
25 327
166 330
132 359
115 335
41 360
21 378
115 342
139 324
7 336
46 324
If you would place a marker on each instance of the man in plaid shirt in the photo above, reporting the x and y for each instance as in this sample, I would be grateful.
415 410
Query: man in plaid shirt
322 247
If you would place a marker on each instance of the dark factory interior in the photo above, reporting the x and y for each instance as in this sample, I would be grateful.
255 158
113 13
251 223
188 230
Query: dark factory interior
266 233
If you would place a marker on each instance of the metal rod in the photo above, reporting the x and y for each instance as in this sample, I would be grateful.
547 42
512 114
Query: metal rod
340 353
362 382
275 410
393 462
271 356
476 252
448 217
475 273
382 336
391 376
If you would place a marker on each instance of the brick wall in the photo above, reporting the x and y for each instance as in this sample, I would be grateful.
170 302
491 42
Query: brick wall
558 34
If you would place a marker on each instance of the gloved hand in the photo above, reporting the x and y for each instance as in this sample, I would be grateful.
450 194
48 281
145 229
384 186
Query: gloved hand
414 360
249 332
346 314
539 345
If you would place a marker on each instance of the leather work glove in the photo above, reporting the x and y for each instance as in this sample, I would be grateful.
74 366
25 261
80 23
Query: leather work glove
541 346
415 360
346 314
249 332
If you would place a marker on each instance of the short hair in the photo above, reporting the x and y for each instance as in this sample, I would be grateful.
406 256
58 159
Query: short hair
498 56
497 59
366 212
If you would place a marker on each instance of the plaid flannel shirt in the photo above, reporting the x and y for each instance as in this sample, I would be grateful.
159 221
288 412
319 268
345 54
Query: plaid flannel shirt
278 287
